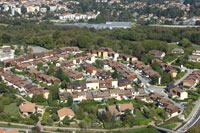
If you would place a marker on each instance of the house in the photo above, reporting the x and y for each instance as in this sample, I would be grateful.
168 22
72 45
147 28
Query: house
179 93
177 51
27 108
188 83
62 113
194 58
192 80
157 54
172 110
76 87
124 83
196 52
120 109
6 49
92 85
40 109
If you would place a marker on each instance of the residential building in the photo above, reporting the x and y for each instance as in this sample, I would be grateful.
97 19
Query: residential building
62 113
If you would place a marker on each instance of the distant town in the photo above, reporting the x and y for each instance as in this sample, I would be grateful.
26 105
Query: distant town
99 11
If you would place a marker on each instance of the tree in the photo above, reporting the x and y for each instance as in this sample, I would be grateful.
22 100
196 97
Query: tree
6 38
38 98
197 23
115 75
106 117
84 41
80 114
61 75
23 9
39 66
154 80
99 64
46 119
55 117
63 84
127 119
1 108
66 120
156 66
34 117
185 43
166 78
69 100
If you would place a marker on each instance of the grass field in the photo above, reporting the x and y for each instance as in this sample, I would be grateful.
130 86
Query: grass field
171 123
12 109
170 126
12 126
141 130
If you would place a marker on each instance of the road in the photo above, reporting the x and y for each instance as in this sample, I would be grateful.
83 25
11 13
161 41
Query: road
175 26
157 89
192 119
21 129
51 128
189 71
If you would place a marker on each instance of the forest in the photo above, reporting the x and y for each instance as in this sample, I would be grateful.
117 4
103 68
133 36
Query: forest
136 41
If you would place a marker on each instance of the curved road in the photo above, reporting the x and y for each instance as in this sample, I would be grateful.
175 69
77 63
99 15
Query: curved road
193 118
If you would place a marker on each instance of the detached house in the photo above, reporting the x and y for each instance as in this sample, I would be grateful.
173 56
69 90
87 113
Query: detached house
120 109
177 51
196 52
179 93
27 108
62 113
157 54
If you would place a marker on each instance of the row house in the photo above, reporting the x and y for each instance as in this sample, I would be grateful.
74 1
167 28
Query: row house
168 68
49 80
103 95
77 16
192 80
90 69
102 52
103 75
43 77
194 58
165 103
122 69
178 93
54 55
75 75
196 52
146 70
24 86
128 58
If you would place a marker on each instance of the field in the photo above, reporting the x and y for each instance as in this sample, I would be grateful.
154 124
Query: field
12 109
149 129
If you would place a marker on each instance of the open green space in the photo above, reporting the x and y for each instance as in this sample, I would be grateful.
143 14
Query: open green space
148 129
12 109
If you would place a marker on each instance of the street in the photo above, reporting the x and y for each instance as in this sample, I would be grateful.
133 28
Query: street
192 119
189 71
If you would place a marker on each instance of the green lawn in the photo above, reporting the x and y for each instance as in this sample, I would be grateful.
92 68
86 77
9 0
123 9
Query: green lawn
180 75
149 129
170 126
140 119
13 126
171 123
12 109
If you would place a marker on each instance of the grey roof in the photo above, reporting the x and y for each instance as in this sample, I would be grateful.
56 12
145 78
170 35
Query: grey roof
109 25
